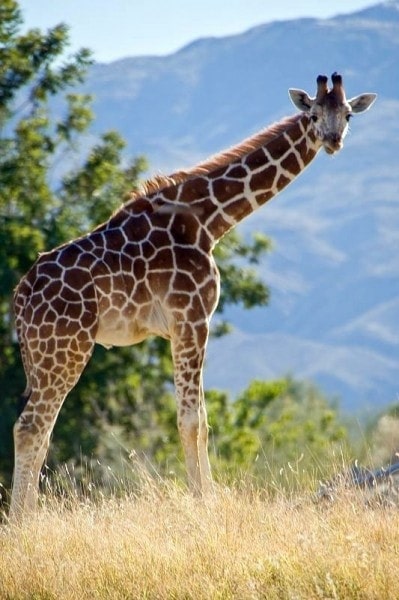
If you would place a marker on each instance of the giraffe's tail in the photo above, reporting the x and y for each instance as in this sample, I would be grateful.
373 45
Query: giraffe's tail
21 296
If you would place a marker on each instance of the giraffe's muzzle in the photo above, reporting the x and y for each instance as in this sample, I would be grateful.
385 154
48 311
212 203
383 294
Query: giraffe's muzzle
332 144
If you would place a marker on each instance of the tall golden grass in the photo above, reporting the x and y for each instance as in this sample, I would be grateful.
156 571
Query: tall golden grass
161 543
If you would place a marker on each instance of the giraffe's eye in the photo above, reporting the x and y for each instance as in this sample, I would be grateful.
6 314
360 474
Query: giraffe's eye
314 118
348 116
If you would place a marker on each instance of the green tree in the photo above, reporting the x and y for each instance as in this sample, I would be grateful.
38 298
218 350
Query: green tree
272 426
124 398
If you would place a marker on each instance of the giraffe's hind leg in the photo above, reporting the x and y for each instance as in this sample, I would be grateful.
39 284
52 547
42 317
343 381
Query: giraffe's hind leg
50 382
31 440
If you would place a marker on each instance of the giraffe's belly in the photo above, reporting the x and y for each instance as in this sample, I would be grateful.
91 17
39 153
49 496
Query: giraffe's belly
119 336
130 326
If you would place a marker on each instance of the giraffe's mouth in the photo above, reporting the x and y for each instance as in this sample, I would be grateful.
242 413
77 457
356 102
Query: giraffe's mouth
333 148
329 150
332 145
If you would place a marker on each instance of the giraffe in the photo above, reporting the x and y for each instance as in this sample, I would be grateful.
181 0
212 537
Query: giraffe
149 271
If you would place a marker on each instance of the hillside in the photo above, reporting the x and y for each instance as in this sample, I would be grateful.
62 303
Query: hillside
334 271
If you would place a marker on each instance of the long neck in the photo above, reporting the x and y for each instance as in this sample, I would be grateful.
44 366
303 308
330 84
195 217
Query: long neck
230 186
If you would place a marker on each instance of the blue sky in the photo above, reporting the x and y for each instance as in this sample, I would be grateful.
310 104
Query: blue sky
118 28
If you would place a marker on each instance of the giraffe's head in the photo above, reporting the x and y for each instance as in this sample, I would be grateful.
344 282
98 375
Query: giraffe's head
330 111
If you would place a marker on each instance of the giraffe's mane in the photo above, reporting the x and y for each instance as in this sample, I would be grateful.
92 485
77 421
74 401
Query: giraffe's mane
160 182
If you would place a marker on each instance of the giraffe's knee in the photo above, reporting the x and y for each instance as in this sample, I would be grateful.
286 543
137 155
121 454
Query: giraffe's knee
26 429
189 425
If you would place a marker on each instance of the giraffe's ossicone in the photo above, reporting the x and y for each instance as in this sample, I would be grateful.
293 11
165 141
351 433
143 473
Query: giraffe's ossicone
149 270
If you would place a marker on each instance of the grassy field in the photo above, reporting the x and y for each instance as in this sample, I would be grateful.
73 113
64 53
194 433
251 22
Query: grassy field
243 543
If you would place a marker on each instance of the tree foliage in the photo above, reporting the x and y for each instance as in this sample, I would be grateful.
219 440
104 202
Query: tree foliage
273 424
124 398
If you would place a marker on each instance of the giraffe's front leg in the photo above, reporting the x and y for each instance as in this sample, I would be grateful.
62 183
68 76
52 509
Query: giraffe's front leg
188 350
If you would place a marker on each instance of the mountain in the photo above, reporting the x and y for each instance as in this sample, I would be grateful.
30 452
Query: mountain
334 270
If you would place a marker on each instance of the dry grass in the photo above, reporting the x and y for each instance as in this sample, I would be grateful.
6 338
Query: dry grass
162 543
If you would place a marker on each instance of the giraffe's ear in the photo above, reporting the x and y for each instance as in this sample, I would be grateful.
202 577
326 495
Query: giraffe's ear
300 99
361 103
